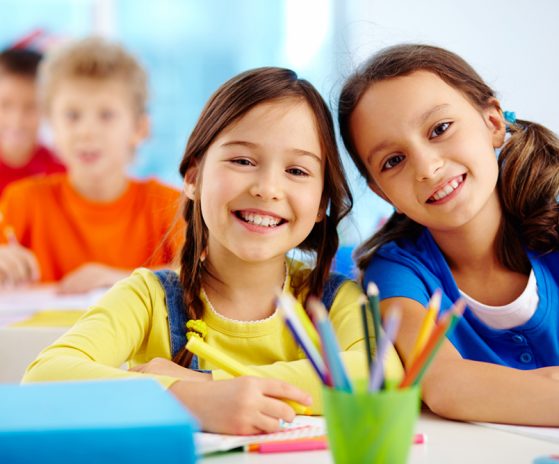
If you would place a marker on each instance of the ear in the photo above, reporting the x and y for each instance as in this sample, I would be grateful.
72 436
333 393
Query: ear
143 129
190 182
494 120
320 215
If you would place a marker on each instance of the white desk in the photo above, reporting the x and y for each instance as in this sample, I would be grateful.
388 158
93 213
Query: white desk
448 442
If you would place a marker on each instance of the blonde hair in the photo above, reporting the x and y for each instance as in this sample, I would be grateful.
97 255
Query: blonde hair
96 59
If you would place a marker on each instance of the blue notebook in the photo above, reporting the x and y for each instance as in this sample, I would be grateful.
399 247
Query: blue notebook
123 421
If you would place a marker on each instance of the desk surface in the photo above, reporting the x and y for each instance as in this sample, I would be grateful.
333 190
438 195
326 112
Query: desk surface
448 442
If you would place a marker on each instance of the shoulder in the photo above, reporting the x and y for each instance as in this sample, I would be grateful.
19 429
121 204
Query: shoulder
412 253
156 189
408 268
141 286
34 185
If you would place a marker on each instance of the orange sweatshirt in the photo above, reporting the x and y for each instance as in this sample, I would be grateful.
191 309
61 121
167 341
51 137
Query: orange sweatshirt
66 230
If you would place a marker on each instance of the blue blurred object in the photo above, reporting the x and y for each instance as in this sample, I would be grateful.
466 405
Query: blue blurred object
132 421
343 262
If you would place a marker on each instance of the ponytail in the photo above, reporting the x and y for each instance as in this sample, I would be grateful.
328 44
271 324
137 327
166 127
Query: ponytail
529 190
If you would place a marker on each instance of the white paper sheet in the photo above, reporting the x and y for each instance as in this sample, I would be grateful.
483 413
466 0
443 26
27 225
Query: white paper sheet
44 297
541 433
301 427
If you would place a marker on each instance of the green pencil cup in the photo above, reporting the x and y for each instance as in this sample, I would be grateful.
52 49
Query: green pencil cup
371 428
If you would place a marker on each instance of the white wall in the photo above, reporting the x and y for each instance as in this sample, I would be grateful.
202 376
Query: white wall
513 45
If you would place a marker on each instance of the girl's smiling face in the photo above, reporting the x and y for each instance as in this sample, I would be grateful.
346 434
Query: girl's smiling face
262 182
428 150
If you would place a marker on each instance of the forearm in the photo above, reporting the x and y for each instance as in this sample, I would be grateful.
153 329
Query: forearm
67 364
475 391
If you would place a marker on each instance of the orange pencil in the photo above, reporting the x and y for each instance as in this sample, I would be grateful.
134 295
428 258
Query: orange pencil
435 341
427 325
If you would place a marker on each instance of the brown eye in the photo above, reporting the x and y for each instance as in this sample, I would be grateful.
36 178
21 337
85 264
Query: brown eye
392 162
440 129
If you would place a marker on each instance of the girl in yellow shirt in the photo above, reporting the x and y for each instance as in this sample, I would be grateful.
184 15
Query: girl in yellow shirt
262 176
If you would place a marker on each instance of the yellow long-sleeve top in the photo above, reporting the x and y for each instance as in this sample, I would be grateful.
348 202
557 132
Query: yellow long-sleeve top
129 324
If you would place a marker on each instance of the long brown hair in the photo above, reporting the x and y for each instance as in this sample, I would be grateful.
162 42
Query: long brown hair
528 182
228 104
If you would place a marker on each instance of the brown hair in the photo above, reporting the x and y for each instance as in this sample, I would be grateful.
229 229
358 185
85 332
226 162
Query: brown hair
20 62
528 182
228 104
97 59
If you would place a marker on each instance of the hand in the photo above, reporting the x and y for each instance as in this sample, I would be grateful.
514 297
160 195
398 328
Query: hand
18 265
241 406
90 276
162 366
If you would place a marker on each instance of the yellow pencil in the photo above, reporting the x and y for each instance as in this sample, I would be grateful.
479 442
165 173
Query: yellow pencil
427 325
223 361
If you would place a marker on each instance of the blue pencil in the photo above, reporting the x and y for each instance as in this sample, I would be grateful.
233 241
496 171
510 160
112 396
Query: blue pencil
330 345
300 335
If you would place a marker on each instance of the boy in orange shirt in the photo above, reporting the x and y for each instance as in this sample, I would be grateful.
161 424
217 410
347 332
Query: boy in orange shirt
21 155
90 227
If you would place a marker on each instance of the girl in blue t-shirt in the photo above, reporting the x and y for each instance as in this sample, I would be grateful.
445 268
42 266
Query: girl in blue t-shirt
423 128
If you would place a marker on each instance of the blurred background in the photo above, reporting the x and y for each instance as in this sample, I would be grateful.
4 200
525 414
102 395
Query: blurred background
190 47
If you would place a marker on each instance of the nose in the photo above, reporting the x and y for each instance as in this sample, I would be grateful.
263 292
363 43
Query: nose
267 184
86 126
427 163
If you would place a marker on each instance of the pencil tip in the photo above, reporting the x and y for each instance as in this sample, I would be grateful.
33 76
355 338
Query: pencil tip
372 289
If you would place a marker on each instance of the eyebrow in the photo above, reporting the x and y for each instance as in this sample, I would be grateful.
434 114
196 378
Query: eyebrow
420 120
295 151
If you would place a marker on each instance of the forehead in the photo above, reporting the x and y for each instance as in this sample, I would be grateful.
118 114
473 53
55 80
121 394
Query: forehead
394 105
291 122
16 84
87 90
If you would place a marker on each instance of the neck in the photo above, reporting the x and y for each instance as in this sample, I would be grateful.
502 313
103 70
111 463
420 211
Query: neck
472 247
243 290
105 190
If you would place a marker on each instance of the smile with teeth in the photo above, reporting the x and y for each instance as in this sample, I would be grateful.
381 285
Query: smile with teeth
259 219
447 189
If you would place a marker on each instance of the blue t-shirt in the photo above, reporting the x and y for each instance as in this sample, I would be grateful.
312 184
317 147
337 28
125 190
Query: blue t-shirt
416 268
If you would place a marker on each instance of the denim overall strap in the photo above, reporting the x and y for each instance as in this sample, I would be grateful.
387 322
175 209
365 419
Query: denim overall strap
176 312
331 287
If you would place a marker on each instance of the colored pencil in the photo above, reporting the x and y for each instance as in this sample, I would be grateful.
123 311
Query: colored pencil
433 344
392 323
366 334
372 293
285 305
285 446
338 372
427 324
306 444
305 320
457 312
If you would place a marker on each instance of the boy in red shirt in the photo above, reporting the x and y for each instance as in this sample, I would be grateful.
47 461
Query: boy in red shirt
21 155
90 227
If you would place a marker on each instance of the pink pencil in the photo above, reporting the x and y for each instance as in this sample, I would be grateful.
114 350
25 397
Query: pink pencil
286 446
307 444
